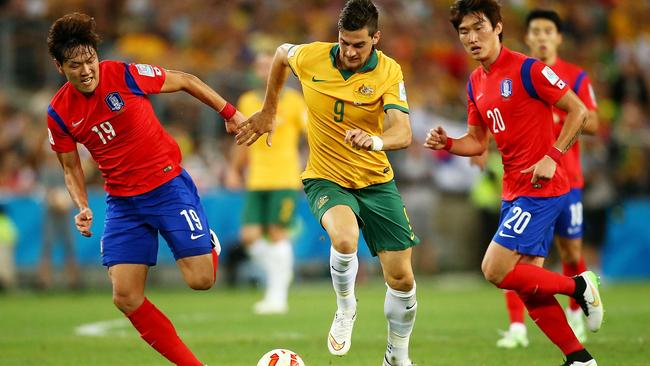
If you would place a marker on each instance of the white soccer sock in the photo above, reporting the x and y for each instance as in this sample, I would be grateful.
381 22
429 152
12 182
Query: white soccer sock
279 271
257 250
400 308
344 268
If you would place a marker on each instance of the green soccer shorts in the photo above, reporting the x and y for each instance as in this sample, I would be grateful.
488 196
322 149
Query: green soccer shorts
379 209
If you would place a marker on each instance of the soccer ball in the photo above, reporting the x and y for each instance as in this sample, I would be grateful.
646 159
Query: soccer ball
280 357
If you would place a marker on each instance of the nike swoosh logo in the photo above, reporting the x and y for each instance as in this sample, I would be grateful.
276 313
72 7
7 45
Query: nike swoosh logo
336 345
479 96
313 78
411 307
501 233
596 301
336 270
75 124
194 237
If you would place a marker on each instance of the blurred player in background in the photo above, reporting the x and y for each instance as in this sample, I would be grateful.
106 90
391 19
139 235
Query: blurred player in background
272 184
543 37
512 96
357 109
104 106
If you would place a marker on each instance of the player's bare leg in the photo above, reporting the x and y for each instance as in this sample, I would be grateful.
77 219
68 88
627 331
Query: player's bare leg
198 271
155 328
573 264
341 225
400 305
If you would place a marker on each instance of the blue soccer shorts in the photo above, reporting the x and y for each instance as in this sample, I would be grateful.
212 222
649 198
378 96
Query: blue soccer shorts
174 210
527 224
569 223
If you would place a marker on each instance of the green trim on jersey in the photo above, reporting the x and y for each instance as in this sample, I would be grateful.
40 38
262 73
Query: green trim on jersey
372 62
379 209
395 106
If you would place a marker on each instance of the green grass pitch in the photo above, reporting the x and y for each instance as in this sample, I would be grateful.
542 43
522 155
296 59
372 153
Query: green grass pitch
456 324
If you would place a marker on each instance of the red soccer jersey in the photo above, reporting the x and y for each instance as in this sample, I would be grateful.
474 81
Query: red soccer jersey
117 124
579 82
514 101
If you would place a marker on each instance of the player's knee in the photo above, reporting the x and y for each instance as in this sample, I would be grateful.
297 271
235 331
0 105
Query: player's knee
491 274
345 243
401 282
127 303
200 282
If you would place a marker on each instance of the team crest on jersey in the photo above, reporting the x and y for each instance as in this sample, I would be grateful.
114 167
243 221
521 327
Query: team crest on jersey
364 90
114 101
506 88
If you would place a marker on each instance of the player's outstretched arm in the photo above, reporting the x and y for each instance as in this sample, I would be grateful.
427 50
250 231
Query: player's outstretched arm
473 143
262 121
75 181
178 80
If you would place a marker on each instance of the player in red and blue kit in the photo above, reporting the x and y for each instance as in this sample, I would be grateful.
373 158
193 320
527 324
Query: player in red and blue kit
105 107
512 96
543 38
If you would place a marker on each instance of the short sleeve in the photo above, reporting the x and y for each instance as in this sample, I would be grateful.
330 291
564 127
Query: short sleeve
585 91
395 97
546 83
294 56
145 79
60 140
474 117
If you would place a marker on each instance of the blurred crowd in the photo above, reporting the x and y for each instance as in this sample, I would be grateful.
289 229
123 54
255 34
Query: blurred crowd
214 39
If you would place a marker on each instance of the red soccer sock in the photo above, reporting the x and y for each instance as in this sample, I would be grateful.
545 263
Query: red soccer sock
515 307
549 317
571 270
528 279
215 263
159 333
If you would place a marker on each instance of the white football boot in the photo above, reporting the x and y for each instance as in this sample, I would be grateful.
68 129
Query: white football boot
339 338
591 362
268 307
390 360
515 337
591 302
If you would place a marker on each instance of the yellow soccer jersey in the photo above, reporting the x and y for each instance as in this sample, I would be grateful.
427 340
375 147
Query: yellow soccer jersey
278 166
339 100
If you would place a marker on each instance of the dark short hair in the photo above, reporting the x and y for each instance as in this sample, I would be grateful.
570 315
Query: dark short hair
490 8
545 14
358 14
70 32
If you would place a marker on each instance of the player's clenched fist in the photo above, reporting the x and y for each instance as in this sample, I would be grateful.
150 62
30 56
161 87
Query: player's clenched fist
232 124
436 138
358 139
84 220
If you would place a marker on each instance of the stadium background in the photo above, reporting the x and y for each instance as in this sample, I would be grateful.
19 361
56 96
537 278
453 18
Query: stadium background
450 203
216 40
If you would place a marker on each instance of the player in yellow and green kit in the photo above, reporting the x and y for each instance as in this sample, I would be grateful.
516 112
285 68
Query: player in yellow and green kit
272 184
357 108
